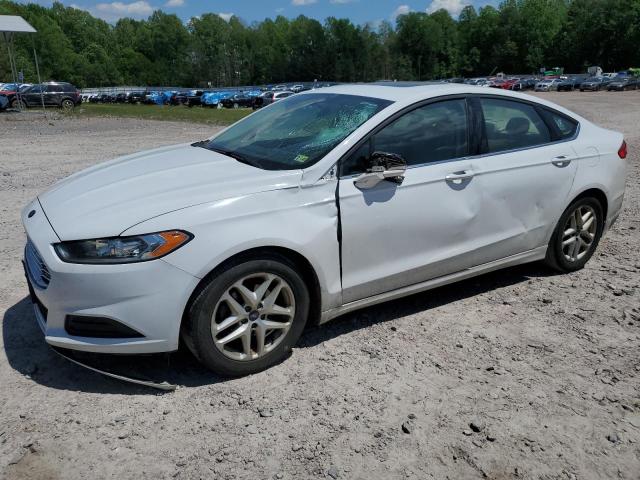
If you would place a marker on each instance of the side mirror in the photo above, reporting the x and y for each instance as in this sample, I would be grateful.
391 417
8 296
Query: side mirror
383 166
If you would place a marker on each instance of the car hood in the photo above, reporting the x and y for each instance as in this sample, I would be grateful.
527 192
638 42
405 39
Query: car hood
109 198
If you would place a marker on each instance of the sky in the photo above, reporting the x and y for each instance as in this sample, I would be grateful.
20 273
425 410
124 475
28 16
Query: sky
359 11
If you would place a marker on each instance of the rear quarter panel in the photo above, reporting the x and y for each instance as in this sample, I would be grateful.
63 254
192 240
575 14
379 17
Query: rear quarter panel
599 165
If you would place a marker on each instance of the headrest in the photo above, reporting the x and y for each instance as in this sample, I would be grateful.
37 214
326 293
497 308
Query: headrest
518 126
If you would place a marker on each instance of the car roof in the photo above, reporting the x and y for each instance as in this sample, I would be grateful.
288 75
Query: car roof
407 91
415 93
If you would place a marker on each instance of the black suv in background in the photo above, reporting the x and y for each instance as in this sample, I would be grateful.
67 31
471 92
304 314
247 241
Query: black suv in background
53 94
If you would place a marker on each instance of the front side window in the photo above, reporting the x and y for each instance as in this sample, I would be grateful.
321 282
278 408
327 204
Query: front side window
511 125
297 132
432 133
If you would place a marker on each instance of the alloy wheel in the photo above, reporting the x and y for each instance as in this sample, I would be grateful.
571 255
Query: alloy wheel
579 233
253 316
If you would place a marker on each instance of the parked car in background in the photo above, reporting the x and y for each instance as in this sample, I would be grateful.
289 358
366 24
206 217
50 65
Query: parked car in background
238 100
524 84
136 97
13 91
595 84
297 88
262 99
569 84
121 97
194 98
509 83
623 83
269 98
53 94
236 243
475 81
547 85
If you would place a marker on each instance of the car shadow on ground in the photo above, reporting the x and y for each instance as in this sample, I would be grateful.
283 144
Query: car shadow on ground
29 355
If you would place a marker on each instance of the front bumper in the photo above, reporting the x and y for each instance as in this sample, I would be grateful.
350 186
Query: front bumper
148 297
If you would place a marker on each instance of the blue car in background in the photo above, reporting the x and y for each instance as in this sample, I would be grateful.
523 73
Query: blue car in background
213 99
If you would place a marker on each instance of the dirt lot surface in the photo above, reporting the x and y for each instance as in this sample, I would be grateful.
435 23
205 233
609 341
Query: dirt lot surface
545 367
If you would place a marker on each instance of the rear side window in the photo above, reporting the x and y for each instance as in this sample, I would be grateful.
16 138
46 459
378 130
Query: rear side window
54 88
564 127
511 125
434 132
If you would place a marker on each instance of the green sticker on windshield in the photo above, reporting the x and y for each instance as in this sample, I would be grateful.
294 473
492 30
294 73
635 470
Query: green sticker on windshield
301 158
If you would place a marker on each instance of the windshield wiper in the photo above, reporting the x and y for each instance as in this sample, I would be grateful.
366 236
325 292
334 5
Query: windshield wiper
201 143
236 156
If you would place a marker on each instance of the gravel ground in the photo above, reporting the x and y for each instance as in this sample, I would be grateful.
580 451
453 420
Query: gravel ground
516 374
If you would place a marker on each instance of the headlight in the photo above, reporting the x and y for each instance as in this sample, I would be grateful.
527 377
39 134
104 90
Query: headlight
139 248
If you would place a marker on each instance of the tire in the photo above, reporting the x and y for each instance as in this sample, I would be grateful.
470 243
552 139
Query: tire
67 104
18 104
211 309
236 106
557 257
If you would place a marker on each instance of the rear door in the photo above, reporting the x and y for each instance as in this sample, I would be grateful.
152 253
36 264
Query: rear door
524 172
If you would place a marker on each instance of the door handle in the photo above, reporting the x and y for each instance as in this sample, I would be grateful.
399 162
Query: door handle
561 161
459 176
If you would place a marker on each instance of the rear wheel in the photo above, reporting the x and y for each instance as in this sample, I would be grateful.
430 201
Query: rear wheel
248 316
576 236
67 104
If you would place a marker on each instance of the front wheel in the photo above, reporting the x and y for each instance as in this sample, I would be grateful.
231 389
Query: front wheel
576 235
18 104
248 317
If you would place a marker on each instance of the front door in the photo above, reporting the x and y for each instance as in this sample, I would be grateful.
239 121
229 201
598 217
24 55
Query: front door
397 235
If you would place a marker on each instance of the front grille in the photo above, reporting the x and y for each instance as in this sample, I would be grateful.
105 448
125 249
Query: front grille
36 268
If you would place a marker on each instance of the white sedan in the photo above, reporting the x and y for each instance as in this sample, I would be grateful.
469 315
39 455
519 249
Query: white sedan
318 205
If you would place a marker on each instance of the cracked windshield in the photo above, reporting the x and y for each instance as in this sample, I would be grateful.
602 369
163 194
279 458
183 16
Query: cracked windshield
296 132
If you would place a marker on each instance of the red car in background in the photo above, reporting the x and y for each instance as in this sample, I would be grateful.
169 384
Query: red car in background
10 91
508 84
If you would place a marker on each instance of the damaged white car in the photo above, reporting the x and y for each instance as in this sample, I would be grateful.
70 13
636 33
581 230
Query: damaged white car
315 206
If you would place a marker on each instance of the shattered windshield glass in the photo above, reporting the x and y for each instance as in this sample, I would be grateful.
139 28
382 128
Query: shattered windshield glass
296 132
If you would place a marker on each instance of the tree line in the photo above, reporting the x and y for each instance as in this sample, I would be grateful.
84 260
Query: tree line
519 36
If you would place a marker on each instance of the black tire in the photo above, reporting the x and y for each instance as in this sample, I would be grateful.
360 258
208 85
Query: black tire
555 256
197 329
67 104
16 103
